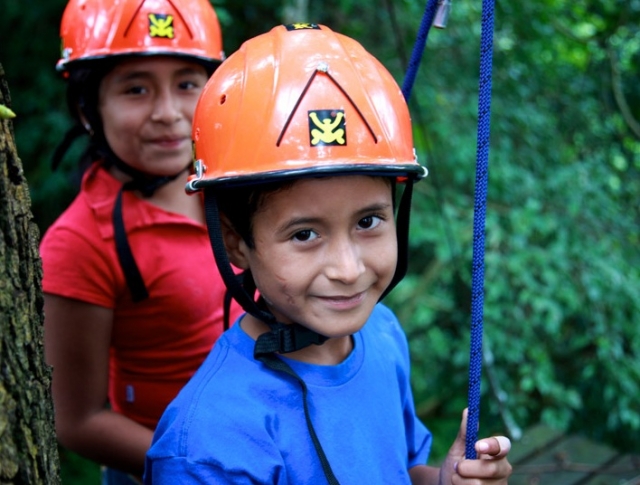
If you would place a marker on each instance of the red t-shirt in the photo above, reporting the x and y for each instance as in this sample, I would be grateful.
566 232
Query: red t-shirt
156 344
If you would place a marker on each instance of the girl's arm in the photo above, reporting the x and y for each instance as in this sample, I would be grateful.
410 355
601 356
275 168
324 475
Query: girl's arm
77 337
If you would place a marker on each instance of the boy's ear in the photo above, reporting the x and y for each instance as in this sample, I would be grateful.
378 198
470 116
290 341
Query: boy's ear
237 249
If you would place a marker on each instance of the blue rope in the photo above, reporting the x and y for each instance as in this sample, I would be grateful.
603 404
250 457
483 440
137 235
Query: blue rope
418 48
480 209
480 199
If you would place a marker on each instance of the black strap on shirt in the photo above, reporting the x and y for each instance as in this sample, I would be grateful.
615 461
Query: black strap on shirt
273 362
132 275
147 185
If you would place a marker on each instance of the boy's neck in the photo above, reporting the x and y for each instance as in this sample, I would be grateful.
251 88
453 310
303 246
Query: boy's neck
332 352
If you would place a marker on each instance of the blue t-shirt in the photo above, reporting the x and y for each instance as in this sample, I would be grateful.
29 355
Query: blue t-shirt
240 422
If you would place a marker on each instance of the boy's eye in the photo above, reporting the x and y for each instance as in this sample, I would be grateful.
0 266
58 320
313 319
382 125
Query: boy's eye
369 222
136 90
191 84
305 235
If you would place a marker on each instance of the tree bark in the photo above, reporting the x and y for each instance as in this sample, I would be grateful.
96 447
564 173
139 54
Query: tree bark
28 447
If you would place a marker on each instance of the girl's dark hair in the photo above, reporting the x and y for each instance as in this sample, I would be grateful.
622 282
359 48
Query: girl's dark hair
83 98
83 87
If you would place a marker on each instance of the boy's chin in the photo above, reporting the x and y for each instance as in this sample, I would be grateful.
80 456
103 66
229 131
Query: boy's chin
339 331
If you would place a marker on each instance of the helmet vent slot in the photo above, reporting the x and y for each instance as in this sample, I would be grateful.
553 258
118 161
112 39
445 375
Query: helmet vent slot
324 69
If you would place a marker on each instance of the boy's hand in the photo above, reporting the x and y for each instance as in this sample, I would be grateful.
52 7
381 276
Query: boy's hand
491 467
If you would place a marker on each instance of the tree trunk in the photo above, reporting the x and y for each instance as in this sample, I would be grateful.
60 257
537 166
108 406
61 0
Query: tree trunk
28 447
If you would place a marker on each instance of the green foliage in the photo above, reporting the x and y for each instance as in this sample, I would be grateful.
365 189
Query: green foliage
562 287
562 268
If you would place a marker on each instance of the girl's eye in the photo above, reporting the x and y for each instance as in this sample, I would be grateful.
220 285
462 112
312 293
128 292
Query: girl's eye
187 85
190 84
305 235
369 222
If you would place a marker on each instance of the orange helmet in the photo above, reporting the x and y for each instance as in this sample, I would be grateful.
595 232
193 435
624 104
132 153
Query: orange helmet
97 29
301 99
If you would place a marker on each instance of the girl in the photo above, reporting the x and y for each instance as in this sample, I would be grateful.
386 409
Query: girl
130 310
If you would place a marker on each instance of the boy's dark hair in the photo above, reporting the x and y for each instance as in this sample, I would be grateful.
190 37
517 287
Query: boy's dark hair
239 204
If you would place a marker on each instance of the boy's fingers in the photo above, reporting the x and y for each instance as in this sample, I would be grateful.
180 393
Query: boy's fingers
504 445
496 446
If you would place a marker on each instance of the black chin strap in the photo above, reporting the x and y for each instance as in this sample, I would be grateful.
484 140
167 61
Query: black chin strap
286 338
402 235
234 284
144 182
283 338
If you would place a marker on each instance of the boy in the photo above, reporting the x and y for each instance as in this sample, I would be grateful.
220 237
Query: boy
302 137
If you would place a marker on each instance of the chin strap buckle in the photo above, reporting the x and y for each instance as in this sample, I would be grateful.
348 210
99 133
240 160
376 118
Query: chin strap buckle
286 338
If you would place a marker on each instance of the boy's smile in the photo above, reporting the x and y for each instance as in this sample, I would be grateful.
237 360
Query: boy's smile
325 250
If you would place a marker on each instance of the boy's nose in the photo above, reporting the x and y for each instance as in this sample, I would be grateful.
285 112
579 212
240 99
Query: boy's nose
344 261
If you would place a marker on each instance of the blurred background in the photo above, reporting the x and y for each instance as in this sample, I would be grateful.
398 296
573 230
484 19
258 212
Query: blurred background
562 267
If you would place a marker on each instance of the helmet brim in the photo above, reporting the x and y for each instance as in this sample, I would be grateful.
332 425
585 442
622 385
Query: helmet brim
397 171
90 61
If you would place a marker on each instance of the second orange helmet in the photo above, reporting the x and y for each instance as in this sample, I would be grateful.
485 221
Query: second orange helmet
98 29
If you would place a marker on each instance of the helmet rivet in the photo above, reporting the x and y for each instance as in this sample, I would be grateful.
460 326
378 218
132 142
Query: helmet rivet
323 67
199 169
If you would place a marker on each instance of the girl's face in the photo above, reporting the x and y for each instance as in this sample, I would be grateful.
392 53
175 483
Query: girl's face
146 106
325 250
